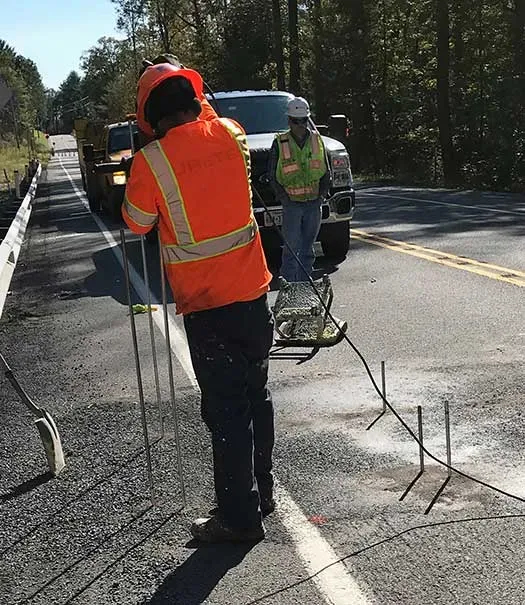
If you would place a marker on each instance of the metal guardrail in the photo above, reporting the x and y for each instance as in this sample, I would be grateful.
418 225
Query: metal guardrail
12 242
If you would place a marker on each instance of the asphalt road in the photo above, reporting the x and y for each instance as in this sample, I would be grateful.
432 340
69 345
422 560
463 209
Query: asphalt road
433 286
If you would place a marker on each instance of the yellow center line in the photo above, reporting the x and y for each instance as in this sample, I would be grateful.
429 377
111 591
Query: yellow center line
510 276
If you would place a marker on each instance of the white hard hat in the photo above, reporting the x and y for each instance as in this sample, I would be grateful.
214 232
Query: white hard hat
298 108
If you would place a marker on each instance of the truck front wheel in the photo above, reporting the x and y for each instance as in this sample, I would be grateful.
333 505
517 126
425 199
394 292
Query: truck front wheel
335 240
93 194
116 197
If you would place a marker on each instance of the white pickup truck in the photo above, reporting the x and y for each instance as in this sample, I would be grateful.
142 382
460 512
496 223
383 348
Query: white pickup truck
262 115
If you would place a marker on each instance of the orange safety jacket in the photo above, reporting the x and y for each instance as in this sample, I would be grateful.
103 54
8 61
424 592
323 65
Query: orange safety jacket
194 182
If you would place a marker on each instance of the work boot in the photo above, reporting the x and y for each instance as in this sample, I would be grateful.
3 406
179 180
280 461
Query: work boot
213 529
267 506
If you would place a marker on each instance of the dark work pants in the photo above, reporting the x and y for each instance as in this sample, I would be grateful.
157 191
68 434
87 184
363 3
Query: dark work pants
229 349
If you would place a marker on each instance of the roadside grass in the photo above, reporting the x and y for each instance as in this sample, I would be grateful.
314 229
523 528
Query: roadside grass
12 158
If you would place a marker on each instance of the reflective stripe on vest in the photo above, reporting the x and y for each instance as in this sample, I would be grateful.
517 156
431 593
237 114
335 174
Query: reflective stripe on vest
301 190
289 166
240 138
285 146
144 219
169 187
187 249
211 247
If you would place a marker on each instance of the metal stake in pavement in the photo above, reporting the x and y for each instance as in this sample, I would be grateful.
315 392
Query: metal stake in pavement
152 334
421 454
383 385
383 391
137 365
447 436
420 435
449 459
170 372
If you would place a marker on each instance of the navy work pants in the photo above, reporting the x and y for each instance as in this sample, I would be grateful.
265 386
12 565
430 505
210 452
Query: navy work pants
229 349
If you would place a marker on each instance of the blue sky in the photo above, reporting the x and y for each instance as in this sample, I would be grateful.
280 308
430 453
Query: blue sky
55 33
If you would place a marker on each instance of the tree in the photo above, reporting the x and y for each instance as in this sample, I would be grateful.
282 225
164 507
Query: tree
278 44
295 57
103 65
69 101
443 98
435 91
27 108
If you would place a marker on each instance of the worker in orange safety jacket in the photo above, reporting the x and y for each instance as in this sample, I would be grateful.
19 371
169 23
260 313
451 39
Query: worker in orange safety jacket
193 183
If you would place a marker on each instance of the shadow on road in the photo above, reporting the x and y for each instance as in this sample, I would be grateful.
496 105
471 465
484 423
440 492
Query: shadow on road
444 213
26 487
192 582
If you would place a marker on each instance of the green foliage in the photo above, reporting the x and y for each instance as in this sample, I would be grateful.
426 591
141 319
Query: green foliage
374 60
27 107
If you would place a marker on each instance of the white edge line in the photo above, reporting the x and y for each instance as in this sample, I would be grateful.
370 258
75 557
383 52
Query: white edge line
335 582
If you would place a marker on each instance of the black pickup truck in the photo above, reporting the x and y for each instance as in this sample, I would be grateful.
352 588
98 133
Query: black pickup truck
262 115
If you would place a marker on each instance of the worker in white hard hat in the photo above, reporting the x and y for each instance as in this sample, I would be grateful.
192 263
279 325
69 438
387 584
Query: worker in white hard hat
299 174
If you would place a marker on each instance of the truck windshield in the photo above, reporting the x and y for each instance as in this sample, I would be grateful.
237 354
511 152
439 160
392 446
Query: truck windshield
257 115
119 139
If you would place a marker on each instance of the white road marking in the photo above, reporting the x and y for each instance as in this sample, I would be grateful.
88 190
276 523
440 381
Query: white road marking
416 199
334 582
177 337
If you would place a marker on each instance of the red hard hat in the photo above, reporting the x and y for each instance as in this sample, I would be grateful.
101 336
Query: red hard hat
152 77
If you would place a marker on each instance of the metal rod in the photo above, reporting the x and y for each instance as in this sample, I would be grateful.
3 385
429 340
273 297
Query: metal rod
420 434
137 364
132 142
421 454
436 497
152 334
383 385
383 392
170 372
447 434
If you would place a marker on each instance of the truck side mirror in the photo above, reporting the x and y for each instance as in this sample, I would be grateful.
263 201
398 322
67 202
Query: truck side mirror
338 126
89 153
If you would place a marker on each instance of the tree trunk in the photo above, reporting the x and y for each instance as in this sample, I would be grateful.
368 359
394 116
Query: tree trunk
443 91
321 109
295 61
163 30
461 117
518 35
278 44
361 77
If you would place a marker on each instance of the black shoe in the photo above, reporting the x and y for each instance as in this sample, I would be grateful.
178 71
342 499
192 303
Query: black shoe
267 506
212 529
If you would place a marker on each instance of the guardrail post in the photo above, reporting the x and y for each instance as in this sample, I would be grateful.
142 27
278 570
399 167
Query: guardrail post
17 185
8 182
